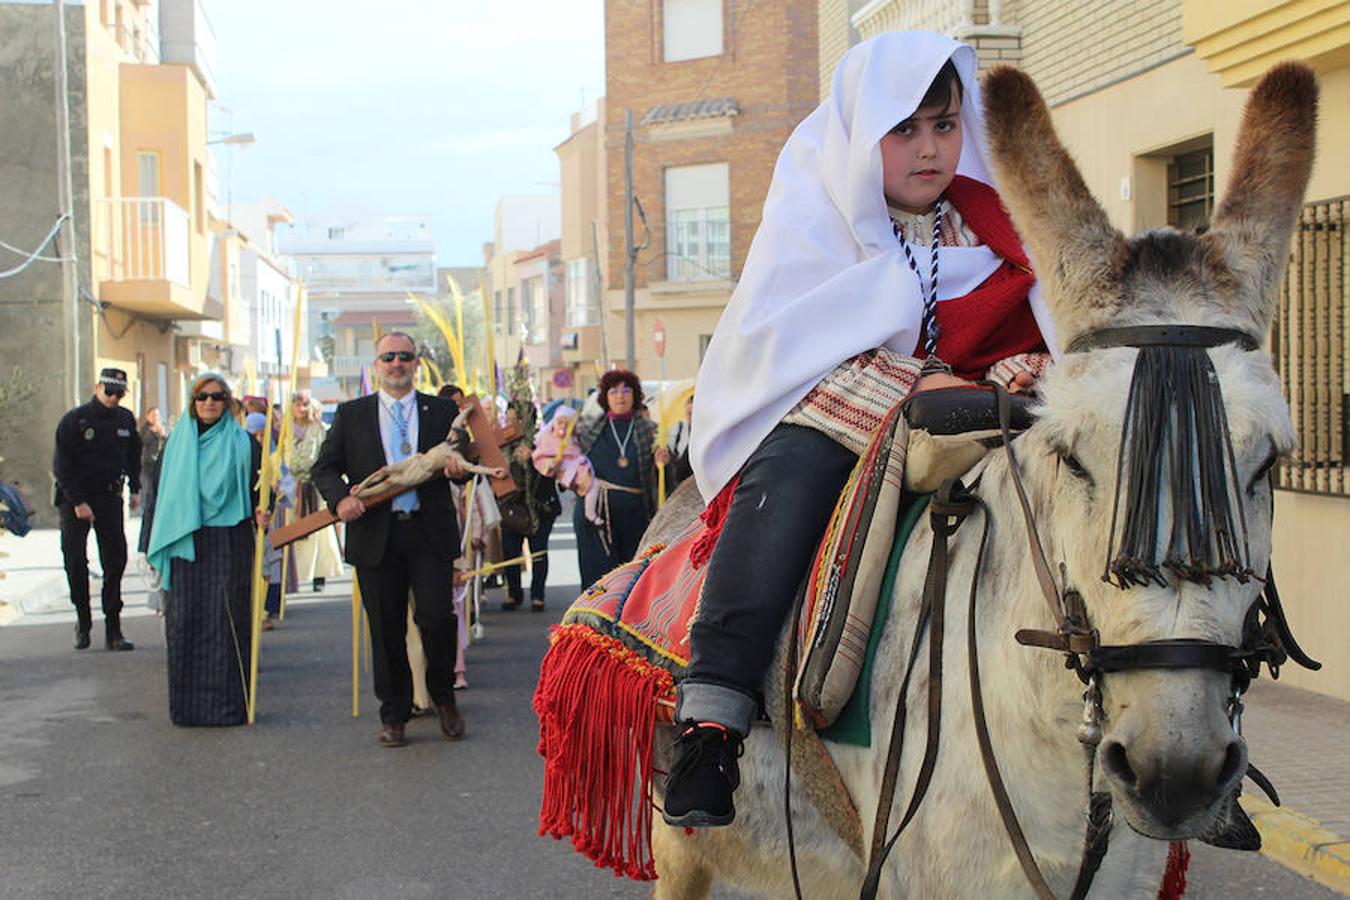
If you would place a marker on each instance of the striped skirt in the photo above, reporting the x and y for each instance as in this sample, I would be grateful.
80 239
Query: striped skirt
207 628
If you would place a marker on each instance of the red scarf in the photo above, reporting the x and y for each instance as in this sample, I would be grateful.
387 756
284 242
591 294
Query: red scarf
994 321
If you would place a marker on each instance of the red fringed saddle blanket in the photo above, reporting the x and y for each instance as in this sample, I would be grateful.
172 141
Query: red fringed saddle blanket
611 669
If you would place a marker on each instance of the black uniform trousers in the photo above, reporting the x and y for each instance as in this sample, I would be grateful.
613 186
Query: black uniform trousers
779 512
409 563
112 554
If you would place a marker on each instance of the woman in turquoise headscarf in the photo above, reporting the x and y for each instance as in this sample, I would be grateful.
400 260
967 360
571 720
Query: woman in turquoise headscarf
202 544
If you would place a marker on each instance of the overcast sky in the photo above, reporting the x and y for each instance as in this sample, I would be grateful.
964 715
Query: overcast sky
404 106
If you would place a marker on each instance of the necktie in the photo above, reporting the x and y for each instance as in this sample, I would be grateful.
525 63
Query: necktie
401 450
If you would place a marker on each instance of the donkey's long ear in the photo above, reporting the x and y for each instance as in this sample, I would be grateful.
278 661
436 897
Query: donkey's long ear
1252 226
1079 255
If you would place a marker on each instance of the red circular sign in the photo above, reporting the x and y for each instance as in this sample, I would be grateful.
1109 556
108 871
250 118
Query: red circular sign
659 336
562 378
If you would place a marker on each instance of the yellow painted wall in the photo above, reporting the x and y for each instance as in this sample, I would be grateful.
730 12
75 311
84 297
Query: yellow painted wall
1111 134
164 110
1312 568
136 346
103 60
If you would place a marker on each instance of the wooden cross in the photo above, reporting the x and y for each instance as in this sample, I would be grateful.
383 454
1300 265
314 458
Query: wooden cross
484 448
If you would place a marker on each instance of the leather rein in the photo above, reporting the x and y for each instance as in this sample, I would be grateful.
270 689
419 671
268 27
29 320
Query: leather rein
1266 639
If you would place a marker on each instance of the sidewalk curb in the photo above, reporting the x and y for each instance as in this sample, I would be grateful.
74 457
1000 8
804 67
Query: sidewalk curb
1299 843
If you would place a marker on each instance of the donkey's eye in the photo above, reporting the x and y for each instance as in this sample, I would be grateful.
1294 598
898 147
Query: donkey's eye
1261 474
1073 465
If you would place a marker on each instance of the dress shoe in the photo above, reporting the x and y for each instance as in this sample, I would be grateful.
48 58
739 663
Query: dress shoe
391 735
81 637
117 642
452 723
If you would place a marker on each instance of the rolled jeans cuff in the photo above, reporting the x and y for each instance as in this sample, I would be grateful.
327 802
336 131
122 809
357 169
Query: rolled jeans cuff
707 702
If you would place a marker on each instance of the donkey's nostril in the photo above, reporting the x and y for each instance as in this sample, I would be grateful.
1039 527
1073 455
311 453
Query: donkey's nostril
1117 763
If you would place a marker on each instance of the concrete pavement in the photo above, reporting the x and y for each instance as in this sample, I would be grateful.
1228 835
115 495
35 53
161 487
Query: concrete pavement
103 797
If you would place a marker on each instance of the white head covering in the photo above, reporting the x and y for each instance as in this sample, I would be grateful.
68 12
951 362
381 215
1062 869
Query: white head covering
825 278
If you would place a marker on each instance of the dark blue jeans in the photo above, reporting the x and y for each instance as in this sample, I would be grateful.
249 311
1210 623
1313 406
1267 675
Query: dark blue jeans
778 514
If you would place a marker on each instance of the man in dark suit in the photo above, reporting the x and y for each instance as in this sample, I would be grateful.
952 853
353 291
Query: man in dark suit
408 543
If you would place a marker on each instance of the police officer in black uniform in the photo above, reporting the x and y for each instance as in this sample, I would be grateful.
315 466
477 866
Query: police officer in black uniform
96 446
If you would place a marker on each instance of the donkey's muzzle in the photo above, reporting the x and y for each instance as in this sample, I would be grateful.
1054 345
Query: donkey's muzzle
1174 793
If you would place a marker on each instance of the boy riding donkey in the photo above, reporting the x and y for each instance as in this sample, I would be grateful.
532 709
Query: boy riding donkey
885 264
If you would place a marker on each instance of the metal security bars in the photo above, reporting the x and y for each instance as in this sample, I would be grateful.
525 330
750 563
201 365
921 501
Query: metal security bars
1310 344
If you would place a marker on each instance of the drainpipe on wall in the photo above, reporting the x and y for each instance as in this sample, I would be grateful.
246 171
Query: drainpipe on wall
70 294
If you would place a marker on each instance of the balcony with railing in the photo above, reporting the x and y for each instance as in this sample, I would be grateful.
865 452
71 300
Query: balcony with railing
142 248
350 365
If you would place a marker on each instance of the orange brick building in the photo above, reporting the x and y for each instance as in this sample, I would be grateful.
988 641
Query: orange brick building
714 90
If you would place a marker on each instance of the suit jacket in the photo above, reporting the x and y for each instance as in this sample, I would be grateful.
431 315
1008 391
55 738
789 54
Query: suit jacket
352 451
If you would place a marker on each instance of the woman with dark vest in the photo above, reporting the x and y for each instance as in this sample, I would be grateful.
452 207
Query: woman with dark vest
621 445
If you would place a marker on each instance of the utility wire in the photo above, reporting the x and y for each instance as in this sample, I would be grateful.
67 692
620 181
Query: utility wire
36 254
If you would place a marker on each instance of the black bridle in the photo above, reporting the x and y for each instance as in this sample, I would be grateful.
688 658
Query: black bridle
1266 636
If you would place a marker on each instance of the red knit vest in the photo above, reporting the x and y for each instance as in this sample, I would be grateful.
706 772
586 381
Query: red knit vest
994 321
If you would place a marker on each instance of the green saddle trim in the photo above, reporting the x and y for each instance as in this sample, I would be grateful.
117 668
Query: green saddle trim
854 724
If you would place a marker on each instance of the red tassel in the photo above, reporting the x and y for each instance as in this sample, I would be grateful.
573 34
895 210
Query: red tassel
1174 879
713 518
596 702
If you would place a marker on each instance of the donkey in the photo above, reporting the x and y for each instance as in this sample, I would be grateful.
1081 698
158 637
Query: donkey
1168 752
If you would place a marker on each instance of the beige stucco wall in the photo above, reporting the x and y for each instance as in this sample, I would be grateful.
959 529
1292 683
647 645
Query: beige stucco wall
1312 568
1112 132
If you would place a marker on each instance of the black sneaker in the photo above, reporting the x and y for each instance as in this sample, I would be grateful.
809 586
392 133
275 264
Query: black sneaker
700 785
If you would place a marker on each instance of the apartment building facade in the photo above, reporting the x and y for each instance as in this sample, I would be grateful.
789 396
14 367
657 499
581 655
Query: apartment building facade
584 249
359 270
713 89
1147 95
525 282
139 76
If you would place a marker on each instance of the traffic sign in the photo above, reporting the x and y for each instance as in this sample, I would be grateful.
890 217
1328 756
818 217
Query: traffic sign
659 337
562 378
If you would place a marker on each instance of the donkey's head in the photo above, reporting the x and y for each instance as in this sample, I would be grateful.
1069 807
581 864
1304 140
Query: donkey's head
1155 459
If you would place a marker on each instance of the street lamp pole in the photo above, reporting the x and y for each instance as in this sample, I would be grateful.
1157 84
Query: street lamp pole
630 252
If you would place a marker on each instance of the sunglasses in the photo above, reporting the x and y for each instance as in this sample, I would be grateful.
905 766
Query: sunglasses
114 391
218 396
401 355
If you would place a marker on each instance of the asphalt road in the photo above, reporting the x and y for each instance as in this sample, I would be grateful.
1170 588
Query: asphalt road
100 796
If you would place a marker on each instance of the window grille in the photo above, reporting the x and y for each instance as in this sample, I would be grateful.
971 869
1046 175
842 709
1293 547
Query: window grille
1309 341
1190 189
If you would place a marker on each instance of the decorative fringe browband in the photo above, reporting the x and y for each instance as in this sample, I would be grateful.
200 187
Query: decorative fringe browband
595 703
1176 436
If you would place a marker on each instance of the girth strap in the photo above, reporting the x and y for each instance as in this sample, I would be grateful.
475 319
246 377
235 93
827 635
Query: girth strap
946 512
